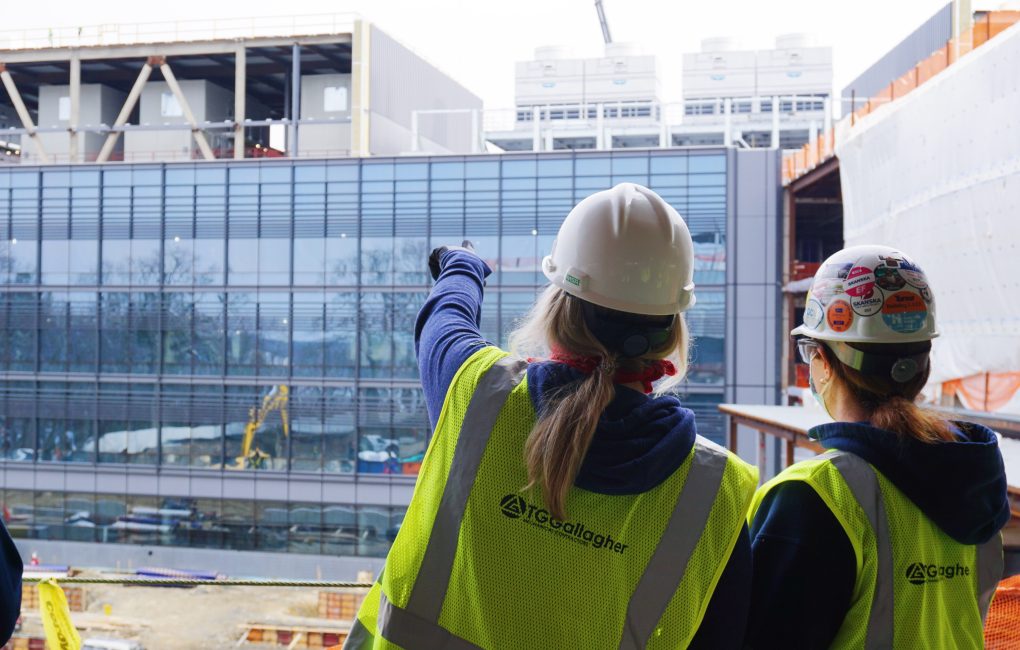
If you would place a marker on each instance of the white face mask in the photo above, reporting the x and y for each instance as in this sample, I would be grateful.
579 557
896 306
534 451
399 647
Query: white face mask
818 396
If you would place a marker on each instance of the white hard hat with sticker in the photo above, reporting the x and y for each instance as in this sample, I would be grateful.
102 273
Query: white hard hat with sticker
869 294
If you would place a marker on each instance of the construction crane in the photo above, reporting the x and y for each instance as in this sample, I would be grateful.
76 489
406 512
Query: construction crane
602 21
276 400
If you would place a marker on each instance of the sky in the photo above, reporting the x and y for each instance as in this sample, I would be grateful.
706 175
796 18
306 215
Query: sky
478 41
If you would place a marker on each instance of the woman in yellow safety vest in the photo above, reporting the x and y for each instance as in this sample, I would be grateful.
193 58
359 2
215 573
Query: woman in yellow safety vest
891 538
561 504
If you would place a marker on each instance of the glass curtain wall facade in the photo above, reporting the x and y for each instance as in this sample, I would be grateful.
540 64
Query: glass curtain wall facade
147 310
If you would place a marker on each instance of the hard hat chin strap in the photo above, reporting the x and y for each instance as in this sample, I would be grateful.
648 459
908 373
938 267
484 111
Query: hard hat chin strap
900 368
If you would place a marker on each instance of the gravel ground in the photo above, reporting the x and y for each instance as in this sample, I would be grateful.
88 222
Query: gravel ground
200 618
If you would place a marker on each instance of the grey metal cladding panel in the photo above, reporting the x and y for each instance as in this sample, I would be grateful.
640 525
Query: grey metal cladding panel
304 489
339 492
750 394
401 81
170 485
373 493
111 482
206 487
913 49
752 251
752 190
238 487
752 347
401 494
143 484
19 479
80 482
271 488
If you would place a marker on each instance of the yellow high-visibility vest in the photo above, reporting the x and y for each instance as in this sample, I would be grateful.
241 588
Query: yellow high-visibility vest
916 587
480 563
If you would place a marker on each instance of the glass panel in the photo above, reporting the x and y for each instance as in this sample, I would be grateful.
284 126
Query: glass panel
339 440
307 426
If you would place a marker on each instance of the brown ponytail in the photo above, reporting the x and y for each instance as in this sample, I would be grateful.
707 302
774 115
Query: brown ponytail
890 403
557 444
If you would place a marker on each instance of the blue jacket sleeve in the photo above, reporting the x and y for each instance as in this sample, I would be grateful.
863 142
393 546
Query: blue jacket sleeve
804 571
725 621
10 585
447 330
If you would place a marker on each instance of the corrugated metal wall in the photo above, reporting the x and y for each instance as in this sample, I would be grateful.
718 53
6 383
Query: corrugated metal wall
401 81
924 40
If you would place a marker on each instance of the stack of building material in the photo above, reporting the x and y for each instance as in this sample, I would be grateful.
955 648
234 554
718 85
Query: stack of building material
77 597
25 643
340 605
294 636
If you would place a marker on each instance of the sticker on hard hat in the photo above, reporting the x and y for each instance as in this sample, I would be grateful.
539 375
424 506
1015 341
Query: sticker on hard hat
826 289
860 282
813 313
904 312
838 271
913 275
868 305
840 316
889 278
926 293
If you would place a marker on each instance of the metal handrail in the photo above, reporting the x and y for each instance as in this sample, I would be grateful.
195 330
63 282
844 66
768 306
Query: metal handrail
178 31
188 582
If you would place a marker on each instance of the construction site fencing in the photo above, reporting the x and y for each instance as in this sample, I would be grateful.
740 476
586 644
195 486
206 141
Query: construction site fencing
812 154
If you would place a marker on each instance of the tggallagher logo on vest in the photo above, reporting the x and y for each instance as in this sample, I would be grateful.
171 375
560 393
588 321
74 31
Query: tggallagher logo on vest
919 573
514 506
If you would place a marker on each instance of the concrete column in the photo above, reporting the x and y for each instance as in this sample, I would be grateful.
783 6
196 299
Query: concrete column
415 144
240 91
813 133
72 127
727 122
536 128
827 128
600 126
549 138
476 131
775 122
295 100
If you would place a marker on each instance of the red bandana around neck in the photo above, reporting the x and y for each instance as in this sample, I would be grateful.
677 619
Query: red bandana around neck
651 372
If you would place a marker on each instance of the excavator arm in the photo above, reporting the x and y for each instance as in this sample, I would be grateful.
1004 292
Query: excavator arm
276 400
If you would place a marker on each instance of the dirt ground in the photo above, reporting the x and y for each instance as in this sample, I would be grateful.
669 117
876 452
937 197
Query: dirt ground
199 618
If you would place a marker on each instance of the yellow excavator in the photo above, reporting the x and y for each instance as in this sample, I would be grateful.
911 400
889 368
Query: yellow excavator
276 400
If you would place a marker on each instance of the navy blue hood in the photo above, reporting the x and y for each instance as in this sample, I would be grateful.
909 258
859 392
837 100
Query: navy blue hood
961 485
639 442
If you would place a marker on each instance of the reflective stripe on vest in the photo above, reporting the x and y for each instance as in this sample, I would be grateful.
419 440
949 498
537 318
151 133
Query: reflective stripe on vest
860 477
417 625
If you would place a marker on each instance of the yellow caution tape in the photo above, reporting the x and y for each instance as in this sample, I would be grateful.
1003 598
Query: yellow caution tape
60 632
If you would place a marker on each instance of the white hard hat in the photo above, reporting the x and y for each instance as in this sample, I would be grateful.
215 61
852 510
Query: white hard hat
869 294
625 249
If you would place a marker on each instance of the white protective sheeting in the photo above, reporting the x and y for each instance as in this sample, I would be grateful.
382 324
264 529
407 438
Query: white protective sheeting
937 174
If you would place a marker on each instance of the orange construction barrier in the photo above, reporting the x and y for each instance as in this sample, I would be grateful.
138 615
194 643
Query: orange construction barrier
1002 628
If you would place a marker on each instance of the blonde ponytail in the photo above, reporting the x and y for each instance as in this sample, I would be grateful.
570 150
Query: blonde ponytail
559 441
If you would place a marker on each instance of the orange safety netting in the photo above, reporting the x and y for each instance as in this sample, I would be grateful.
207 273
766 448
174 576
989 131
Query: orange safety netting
1002 628
984 392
